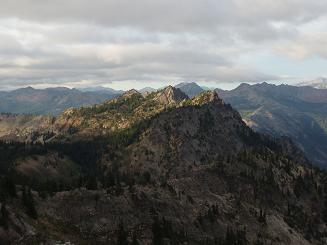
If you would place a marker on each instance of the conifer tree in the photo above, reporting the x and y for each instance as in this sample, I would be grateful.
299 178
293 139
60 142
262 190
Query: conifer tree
28 202
122 235
4 218
134 239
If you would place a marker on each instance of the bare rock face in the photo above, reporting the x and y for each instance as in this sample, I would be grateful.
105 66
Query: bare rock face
213 97
130 93
171 95
207 97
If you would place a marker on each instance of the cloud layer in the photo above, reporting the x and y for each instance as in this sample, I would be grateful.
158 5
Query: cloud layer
102 41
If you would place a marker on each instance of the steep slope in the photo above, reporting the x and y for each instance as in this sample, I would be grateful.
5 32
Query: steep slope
120 113
113 115
172 171
48 101
22 126
296 112
301 128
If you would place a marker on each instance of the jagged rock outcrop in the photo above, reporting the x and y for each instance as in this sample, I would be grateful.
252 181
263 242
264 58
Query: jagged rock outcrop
130 93
116 114
207 97
171 95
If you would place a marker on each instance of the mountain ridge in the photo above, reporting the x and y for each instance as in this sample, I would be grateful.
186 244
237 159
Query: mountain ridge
189 172
296 112
191 89
48 101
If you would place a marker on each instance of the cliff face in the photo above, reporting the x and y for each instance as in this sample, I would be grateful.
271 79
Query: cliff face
171 95
174 171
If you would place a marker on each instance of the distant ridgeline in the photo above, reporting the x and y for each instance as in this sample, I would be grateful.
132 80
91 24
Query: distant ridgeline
51 100
296 112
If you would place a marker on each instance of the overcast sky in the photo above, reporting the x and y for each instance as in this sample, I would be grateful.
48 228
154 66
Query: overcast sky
138 43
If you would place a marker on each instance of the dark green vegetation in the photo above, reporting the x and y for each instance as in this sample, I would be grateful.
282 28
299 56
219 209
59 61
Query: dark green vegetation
159 169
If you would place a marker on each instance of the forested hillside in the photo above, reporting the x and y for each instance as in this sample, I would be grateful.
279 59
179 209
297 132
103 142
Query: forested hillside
159 169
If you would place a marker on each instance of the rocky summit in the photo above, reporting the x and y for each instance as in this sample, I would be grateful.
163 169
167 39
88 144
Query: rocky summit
156 169
171 95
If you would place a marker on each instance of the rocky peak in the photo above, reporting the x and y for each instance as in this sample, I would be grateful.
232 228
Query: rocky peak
171 95
207 97
191 89
26 90
213 96
131 92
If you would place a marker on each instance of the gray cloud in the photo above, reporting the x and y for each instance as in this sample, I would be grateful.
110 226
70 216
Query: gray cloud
43 41
165 15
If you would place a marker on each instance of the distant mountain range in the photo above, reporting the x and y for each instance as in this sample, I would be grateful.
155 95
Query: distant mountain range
191 89
319 83
51 100
147 90
284 110
101 89
55 100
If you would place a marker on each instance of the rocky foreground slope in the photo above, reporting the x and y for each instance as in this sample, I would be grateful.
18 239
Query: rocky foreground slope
159 169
